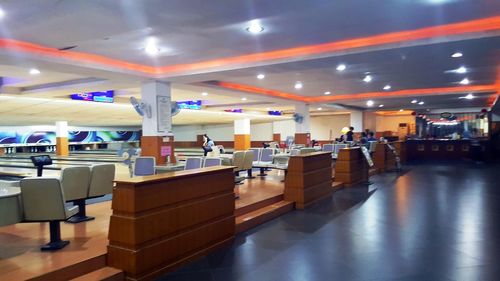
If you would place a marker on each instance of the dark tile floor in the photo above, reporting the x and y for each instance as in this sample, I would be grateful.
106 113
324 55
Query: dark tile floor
433 222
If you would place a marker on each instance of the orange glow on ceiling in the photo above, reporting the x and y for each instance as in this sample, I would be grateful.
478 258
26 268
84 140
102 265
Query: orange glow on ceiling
474 26
350 97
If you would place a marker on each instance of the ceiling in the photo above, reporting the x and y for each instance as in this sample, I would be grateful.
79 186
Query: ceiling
204 47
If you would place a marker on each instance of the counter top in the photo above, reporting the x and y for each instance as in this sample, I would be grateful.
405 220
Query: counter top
171 175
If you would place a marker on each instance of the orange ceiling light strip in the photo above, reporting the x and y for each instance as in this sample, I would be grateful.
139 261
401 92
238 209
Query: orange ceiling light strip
34 49
257 90
348 97
480 25
404 93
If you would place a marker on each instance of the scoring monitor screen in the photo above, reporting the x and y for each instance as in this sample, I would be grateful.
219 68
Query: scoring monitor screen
41 160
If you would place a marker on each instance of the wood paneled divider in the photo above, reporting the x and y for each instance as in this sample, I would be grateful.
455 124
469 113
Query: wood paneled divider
351 167
309 178
400 147
163 221
384 158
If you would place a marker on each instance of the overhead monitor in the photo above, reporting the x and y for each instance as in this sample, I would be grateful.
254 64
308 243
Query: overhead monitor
105 96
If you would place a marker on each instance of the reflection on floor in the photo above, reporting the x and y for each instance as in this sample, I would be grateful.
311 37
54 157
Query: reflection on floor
435 222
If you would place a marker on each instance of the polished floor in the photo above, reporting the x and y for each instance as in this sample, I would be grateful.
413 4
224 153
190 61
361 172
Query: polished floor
432 222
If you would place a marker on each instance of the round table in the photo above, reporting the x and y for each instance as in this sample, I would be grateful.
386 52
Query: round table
10 205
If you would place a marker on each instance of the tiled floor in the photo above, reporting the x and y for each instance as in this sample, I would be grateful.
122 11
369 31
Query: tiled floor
435 222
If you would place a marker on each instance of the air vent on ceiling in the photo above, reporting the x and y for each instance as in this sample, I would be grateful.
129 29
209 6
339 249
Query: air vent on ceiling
67 48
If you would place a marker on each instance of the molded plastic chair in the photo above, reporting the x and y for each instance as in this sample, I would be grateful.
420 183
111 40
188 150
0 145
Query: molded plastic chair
248 162
328 147
144 166
193 163
306 150
215 152
266 155
210 162
256 154
43 201
75 182
101 180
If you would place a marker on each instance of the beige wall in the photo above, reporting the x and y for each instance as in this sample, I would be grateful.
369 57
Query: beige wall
391 123
328 127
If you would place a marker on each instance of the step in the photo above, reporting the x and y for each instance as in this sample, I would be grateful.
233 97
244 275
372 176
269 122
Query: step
257 205
102 274
75 270
264 214
337 185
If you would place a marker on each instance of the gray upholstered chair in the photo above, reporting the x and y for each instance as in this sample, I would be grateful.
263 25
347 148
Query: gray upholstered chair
211 161
43 201
248 162
238 161
75 183
193 163
101 180
144 166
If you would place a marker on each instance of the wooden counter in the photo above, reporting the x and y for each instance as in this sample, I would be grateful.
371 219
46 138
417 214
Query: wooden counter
384 158
163 221
309 178
351 167
437 149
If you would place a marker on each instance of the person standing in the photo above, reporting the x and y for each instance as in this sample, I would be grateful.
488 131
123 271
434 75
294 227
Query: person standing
208 143
350 134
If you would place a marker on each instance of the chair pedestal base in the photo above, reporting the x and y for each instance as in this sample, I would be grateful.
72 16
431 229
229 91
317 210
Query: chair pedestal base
79 218
262 172
56 245
55 238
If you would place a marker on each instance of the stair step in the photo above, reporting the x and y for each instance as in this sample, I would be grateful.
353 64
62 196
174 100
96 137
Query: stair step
337 185
103 274
257 217
257 205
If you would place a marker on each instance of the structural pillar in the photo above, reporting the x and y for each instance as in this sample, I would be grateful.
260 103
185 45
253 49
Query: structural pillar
357 121
62 143
157 139
303 129
242 134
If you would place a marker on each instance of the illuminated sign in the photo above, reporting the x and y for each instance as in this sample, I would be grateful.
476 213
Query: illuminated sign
239 110
106 96
274 112
192 104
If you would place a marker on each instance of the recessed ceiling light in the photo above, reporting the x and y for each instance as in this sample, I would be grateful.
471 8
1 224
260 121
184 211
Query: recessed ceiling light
2 13
268 108
461 69
414 101
320 108
261 76
367 79
387 87
369 103
381 105
401 110
469 96
465 81
255 27
151 48
298 85
457 55
341 67
204 94
327 93
34 71
421 103
243 99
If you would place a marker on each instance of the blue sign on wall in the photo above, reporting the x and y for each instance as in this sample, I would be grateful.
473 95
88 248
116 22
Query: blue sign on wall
191 104
107 96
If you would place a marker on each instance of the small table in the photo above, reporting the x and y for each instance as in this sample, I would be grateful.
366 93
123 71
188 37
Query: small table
10 204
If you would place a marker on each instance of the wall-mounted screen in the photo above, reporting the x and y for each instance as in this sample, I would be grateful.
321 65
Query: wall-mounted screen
191 104
106 96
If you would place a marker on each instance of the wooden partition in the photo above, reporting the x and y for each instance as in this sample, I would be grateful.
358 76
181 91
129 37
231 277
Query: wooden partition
309 178
384 158
351 167
400 147
163 221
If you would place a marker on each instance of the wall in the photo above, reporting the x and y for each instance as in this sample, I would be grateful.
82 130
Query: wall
391 123
285 128
328 127
222 132
261 132
52 128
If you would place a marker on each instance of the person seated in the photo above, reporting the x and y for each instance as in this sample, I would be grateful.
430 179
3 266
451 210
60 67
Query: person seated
364 138
208 143
371 137
314 143
341 139
266 145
